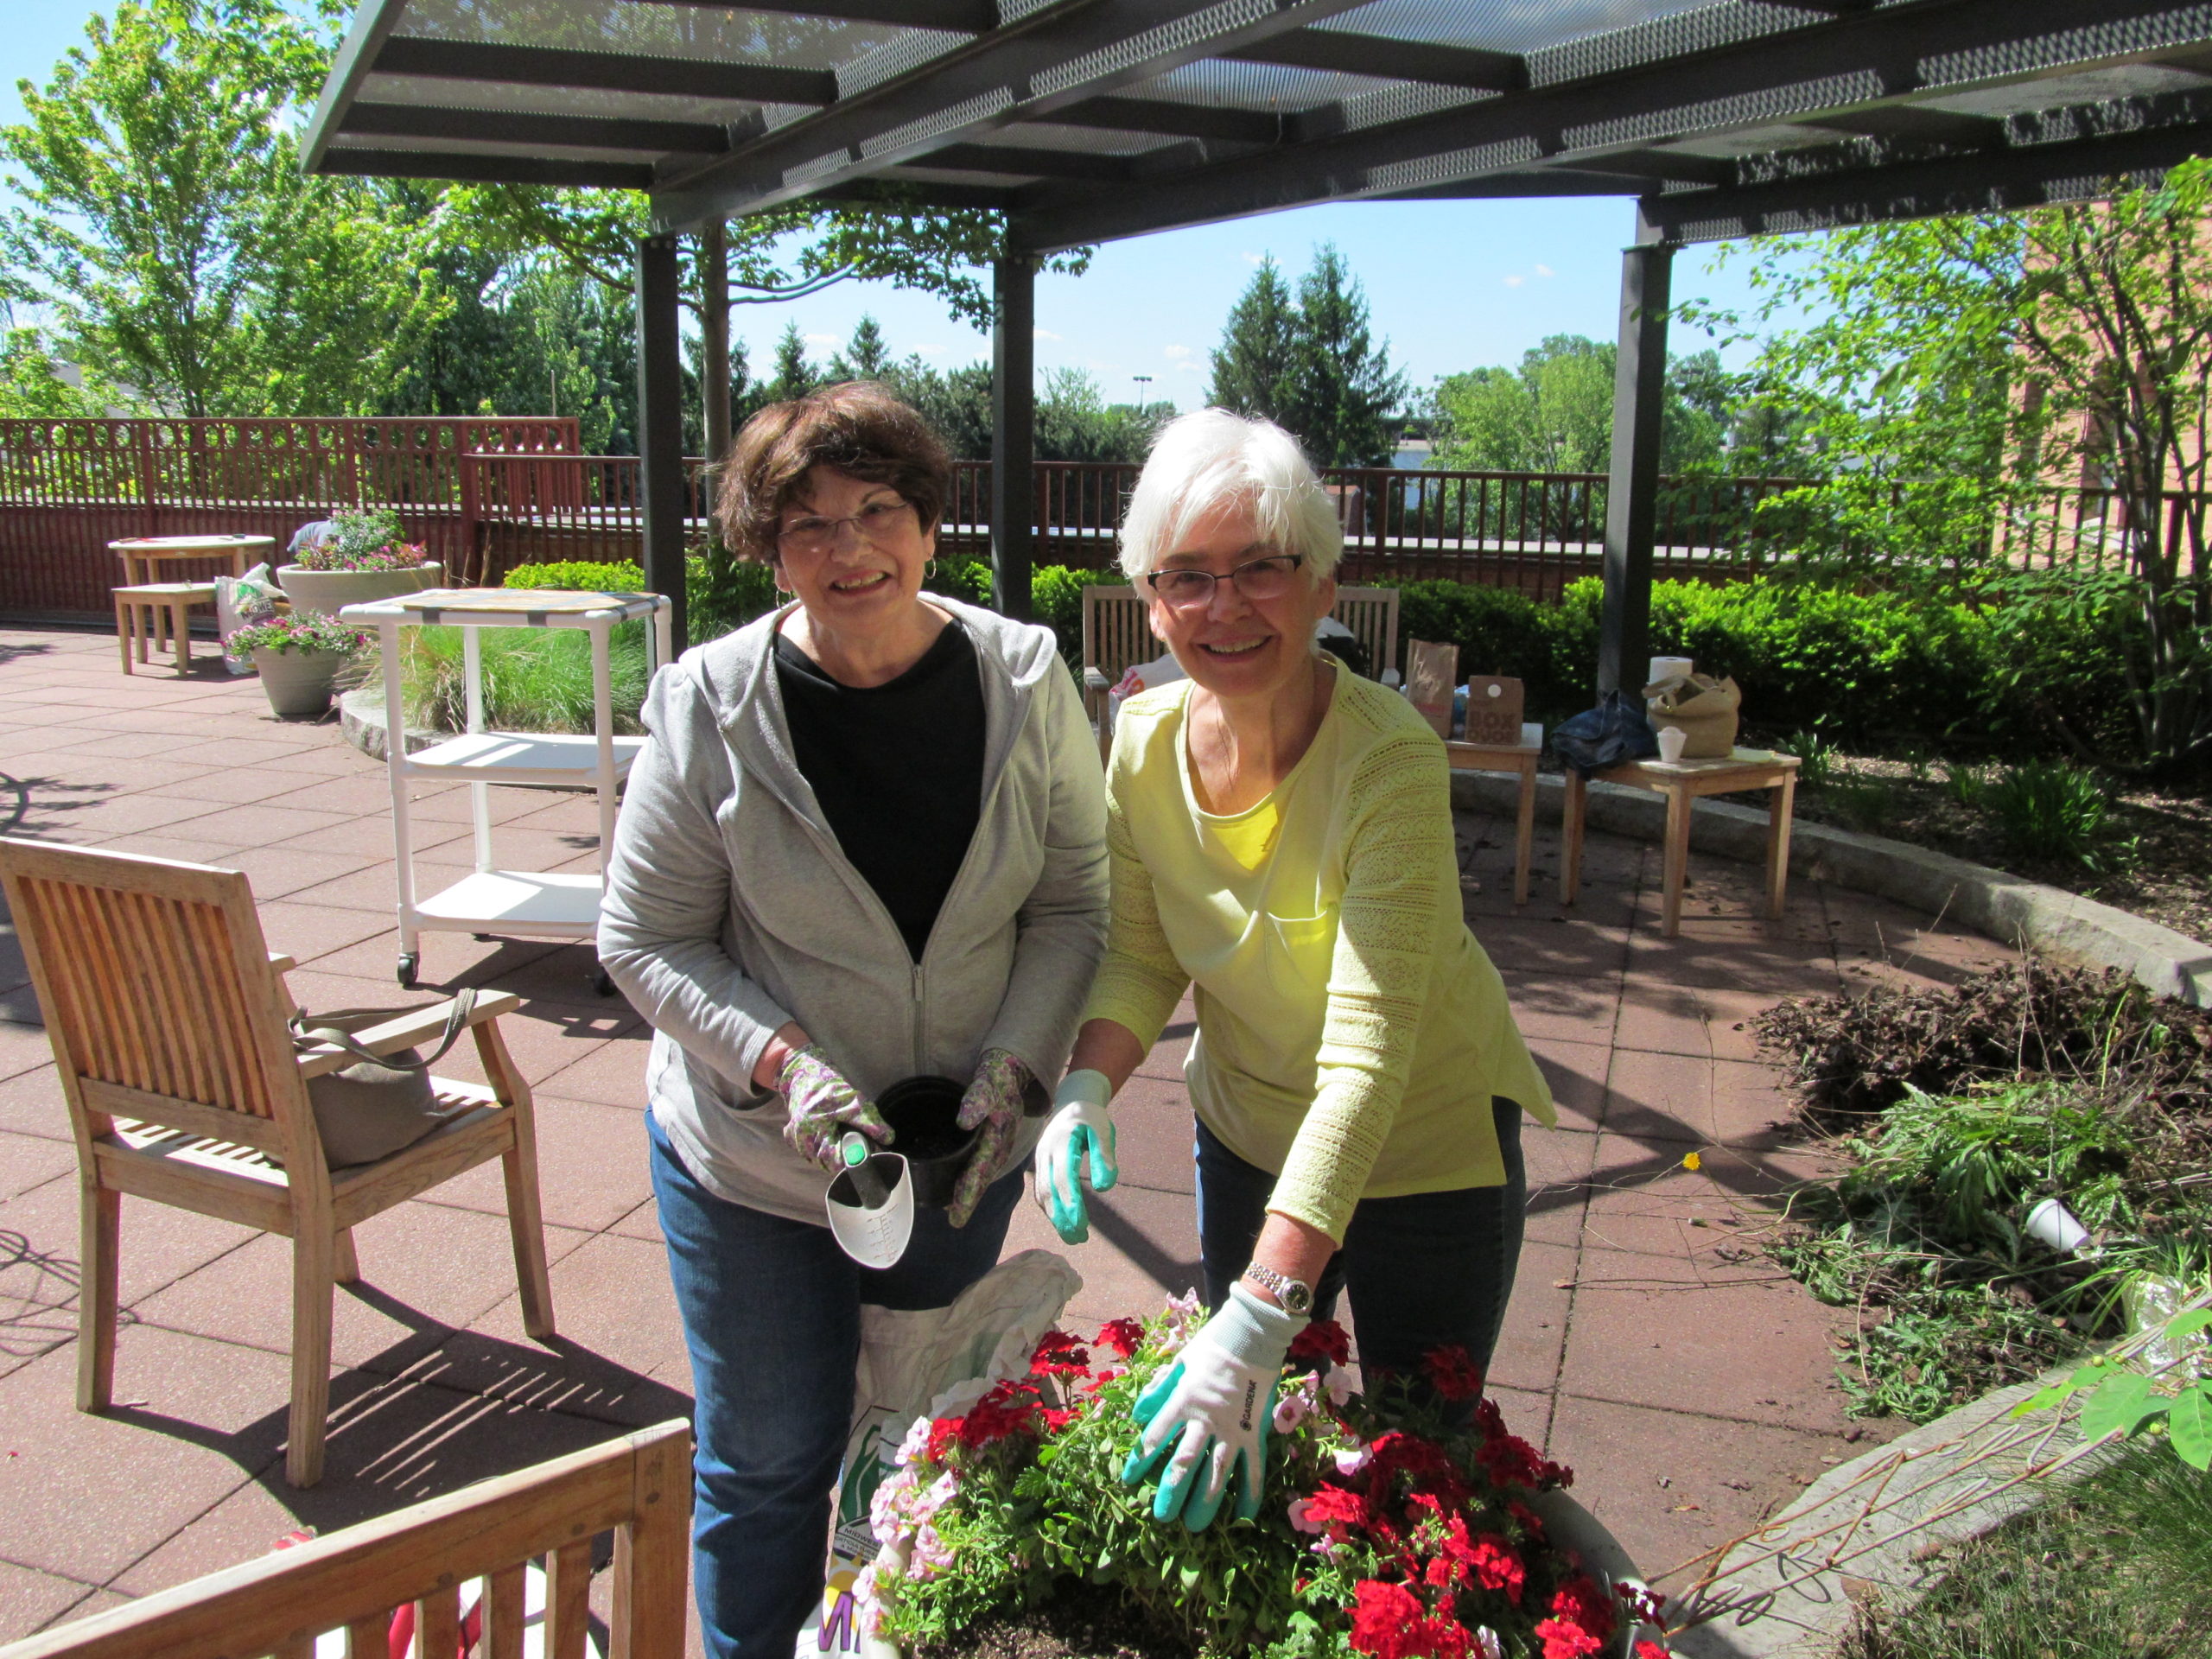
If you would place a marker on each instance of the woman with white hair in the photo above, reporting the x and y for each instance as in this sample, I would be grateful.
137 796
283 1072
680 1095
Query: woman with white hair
1280 833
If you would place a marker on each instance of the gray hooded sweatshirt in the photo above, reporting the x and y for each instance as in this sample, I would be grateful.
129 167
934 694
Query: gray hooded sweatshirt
730 910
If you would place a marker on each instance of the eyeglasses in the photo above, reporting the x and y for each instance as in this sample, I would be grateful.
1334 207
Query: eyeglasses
879 522
1265 578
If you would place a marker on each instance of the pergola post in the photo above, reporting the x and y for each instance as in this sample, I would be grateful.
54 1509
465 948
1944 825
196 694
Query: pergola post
1013 431
714 339
1632 487
660 423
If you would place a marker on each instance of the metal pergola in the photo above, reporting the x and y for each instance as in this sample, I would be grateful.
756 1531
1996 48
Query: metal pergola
1083 121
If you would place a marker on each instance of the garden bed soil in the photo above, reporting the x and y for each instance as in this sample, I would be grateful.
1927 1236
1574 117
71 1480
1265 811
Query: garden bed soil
1081 1621
2166 877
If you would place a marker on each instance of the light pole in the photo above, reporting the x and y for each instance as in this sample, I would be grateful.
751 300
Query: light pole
1143 380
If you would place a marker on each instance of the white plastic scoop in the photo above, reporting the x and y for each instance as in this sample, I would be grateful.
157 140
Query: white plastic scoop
871 1203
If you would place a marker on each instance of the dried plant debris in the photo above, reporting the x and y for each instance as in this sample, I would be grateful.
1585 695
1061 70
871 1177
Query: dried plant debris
1080 1621
1851 1055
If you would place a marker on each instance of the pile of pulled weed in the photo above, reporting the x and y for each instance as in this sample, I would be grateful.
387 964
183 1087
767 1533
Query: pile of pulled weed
1853 1056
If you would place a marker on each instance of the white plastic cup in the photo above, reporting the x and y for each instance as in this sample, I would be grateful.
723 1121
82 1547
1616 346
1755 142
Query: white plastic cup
2051 1223
1532 734
1672 742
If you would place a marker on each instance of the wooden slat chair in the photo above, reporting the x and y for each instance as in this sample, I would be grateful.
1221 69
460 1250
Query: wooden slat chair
1371 614
353 1580
168 1021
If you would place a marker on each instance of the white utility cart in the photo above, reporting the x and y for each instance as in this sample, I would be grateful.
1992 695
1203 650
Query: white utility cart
491 901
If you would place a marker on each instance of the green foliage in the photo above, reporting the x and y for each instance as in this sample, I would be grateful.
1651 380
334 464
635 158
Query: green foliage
2128 1399
1554 413
31 386
2052 810
364 538
2118 1567
165 223
1056 598
535 679
580 576
1816 757
1314 368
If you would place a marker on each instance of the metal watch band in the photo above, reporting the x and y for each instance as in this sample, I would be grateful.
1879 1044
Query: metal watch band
1296 1294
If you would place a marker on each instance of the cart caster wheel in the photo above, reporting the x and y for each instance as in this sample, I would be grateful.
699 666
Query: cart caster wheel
408 963
603 983
483 938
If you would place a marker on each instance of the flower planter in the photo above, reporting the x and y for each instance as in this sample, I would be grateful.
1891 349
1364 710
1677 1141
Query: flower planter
298 682
327 591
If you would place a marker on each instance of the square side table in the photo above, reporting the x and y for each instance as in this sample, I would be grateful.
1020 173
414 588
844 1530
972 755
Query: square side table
1681 782
1520 758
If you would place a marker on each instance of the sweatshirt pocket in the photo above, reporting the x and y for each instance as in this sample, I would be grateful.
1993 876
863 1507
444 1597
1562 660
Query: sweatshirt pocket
1298 952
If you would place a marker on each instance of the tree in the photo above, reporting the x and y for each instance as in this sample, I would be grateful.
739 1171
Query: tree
1255 364
1344 390
794 376
33 385
168 228
1962 369
866 357
1555 414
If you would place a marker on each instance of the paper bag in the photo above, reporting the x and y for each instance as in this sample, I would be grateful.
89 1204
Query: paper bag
1494 709
1430 670
1705 709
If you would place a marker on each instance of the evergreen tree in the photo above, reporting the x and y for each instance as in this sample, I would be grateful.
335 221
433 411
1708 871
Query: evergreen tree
794 376
1256 361
1344 390
866 356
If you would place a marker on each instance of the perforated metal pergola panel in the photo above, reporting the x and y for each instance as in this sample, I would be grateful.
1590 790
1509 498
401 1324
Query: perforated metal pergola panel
1088 120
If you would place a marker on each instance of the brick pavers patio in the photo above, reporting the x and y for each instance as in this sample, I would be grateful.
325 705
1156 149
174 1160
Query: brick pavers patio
1685 1381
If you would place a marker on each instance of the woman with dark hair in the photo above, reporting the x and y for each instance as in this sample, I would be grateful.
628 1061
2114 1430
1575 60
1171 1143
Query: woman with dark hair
864 841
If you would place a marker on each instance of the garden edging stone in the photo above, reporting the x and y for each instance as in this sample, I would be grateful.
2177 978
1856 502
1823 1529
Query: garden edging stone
1804 1621
2009 908
361 720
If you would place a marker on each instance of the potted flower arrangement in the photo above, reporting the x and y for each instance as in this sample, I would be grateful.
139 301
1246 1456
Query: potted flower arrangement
298 658
363 557
1382 1532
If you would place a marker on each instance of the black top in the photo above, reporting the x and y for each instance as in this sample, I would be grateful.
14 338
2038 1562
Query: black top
898 769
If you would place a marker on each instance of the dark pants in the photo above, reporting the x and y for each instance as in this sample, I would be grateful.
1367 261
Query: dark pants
1427 1270
771 1316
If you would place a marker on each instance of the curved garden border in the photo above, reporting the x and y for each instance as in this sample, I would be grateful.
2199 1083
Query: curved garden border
2005 907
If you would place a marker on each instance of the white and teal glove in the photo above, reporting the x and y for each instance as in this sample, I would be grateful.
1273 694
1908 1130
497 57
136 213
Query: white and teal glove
1208 1413
1077 1129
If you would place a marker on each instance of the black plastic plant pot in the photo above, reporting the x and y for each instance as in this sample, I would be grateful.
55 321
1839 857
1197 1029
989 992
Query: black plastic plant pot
923 1114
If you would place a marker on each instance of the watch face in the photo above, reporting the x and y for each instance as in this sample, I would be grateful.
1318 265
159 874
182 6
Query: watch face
1297 1298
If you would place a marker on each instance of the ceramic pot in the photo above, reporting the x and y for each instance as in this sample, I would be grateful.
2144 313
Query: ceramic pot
327 591
923 1114
298 682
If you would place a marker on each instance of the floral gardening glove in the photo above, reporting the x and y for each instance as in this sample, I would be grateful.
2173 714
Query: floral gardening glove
1078 1127
821 1107
993 1104
1211 1408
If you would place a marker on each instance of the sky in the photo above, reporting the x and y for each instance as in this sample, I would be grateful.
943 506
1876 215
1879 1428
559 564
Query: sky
1450 285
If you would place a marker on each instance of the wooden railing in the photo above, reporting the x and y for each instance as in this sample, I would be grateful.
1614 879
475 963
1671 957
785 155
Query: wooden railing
486 495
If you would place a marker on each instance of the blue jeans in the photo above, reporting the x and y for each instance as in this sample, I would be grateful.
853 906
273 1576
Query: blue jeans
1424 1271
771 1311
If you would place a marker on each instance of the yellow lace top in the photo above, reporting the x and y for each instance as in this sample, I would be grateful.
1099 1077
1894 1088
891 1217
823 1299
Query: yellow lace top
1352 1032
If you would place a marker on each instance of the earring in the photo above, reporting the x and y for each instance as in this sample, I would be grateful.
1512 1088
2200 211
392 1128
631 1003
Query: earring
929 569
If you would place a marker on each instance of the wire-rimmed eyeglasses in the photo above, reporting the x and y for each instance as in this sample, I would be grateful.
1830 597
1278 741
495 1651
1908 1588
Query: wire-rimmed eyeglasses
1269 577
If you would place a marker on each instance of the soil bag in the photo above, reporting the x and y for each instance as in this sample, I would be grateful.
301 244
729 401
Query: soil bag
931 1362
1615 732
1703 708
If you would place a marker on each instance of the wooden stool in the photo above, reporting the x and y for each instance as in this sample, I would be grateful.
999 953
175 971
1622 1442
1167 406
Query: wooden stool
1507 757
163 605
1681 782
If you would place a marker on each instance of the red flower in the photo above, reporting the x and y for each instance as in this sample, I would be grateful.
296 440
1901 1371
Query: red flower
1489 1558
1058 1354
1581 1622
1389 1622
1055 1419
1334 1507
1323 1339
944 1434
1646 1648
1121 1335
1452 1372
1009 1408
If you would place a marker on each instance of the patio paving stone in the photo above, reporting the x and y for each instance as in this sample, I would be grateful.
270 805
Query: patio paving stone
1639 1346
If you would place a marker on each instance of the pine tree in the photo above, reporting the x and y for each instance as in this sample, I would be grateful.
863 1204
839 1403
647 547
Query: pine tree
1344 388
795 376
1255 364
867 356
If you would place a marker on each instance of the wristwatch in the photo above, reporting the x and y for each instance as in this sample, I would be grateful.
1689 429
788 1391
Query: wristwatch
1295 1295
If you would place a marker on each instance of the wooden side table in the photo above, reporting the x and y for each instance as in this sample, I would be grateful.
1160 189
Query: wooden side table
1681 782
162 608
142 557
1507 757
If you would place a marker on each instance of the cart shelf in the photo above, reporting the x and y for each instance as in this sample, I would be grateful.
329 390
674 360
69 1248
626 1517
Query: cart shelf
522 757
525 900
